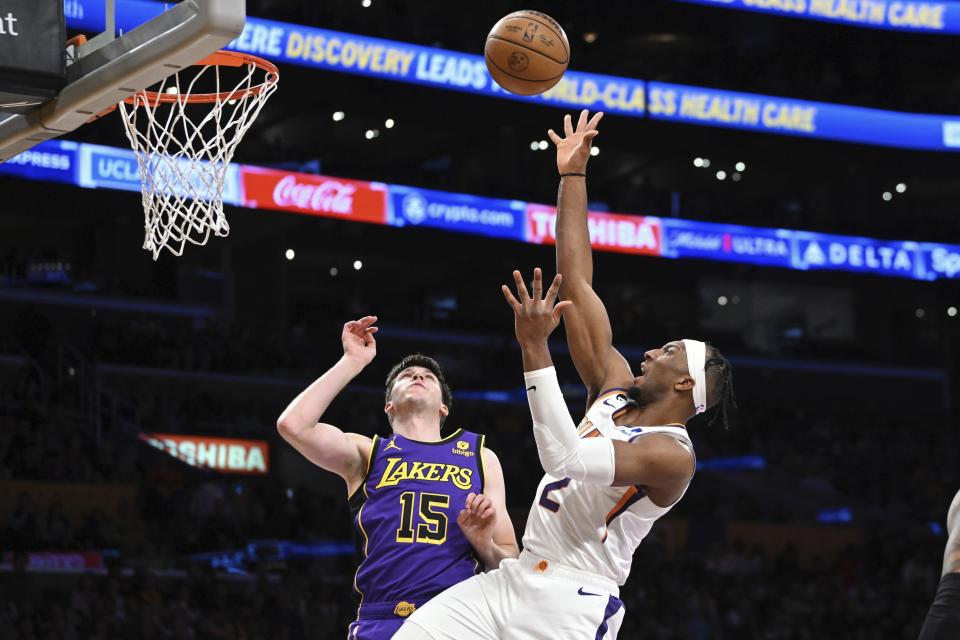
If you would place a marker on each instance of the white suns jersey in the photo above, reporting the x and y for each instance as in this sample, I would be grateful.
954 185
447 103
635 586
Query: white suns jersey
589 527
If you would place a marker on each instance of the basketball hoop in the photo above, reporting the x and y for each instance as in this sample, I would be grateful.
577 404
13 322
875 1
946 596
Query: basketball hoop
184 153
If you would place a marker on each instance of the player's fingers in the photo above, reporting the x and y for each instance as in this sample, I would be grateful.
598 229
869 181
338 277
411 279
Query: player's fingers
521 286
590 135
471 498
488 512
553 136
567 126
510 299
554 288
366 321
594 121
537 284
582 121
372 329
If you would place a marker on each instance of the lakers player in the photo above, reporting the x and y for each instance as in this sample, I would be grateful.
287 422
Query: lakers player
607 481
428 511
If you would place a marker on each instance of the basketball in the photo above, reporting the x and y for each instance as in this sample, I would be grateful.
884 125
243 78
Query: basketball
527 52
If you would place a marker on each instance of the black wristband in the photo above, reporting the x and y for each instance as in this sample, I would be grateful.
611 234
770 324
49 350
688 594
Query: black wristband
564 175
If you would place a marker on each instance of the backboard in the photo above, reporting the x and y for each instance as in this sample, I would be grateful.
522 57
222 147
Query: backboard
110 68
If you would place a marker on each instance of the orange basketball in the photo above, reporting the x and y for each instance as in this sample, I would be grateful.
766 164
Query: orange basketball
527 52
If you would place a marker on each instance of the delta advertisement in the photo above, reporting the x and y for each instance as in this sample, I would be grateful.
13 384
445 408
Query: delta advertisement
892 15
226 455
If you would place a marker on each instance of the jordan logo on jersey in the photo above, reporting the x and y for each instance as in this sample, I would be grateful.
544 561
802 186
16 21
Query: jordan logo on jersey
392 445
399 470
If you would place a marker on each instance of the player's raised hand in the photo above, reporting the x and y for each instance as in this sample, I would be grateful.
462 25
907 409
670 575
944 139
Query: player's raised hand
573 149
477 519
358 341
535 315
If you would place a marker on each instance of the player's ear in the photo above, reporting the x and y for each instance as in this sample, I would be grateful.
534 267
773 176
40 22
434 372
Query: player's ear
684 384
444 410
388 408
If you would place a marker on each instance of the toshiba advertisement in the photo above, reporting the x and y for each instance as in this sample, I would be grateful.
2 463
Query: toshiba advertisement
227 455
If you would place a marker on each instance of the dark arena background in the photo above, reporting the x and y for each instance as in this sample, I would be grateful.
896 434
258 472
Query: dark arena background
781 181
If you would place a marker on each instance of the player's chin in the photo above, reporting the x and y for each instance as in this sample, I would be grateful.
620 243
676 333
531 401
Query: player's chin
634 391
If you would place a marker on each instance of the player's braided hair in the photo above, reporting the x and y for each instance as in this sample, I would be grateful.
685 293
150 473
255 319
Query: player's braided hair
720 396
420 360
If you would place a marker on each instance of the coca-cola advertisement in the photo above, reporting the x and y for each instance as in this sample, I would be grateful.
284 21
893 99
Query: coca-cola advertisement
314 195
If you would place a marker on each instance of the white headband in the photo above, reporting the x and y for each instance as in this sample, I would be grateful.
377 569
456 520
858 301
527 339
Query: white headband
696 360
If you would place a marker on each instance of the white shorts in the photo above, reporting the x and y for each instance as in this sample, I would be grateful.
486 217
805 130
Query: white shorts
525 599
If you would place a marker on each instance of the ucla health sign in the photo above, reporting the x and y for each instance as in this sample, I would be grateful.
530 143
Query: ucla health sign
456 212
896 15
102 167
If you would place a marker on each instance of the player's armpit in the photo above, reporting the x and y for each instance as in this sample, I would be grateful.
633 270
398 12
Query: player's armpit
659 462
326 446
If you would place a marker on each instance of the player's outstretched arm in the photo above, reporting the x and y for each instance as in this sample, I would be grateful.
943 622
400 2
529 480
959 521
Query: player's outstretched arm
562 453
485 520
951 555
589 334
324 444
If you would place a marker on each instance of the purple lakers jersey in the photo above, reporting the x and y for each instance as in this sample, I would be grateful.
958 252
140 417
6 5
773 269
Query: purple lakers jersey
405 519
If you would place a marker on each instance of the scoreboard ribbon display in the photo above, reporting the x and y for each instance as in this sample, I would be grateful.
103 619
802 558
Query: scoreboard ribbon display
892 15
453 70
753 112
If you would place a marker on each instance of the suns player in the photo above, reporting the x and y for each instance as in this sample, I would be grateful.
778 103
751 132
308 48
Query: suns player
943 618
428 511
607 481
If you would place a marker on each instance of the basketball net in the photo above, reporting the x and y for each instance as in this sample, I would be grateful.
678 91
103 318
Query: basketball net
184 142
